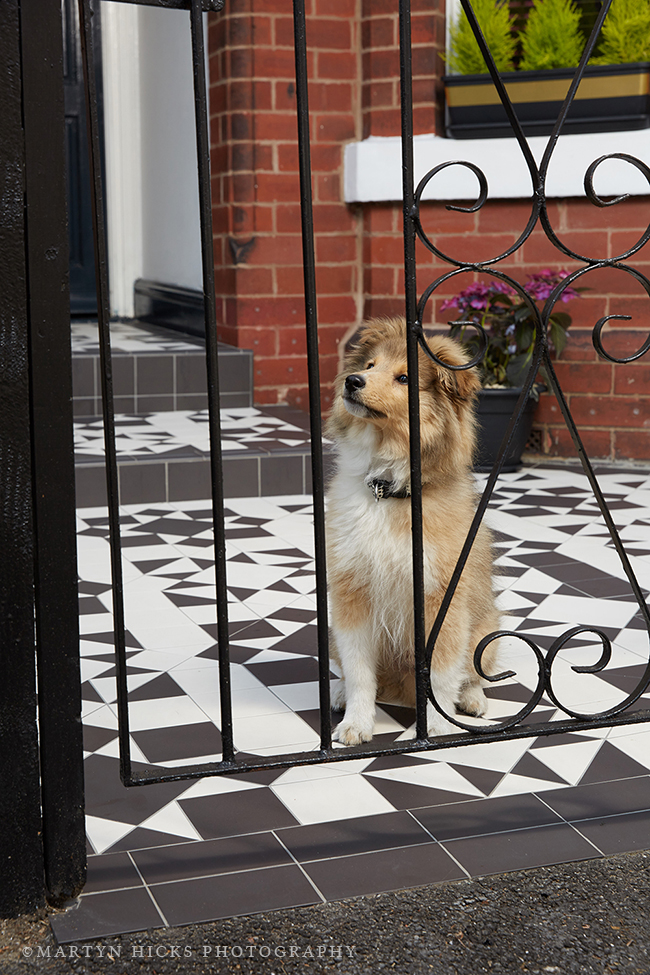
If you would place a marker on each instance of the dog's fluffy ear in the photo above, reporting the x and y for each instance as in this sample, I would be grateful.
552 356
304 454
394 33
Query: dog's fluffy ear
370 335
460 384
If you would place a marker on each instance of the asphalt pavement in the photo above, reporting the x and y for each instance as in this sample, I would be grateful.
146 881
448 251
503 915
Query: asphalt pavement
584 917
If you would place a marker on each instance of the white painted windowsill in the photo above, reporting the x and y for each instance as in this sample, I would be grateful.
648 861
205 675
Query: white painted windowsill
373 168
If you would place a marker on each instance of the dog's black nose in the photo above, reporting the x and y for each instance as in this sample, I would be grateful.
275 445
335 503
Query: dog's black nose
354 382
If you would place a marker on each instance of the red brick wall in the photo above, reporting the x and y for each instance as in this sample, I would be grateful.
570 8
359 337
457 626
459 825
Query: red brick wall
256 198
354 92
610 403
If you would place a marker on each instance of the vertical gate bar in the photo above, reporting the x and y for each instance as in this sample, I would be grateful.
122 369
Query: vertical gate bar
410 294
311 319
57 619
212 362
108 409
21 848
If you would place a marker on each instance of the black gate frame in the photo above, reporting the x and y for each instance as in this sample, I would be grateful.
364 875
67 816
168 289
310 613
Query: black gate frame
36 460
416 340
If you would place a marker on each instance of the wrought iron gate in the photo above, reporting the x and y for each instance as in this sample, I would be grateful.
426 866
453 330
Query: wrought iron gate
515 726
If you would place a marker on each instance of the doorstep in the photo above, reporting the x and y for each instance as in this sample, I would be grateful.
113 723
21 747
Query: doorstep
165 456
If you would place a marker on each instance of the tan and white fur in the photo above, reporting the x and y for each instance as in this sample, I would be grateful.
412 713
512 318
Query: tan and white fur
369 541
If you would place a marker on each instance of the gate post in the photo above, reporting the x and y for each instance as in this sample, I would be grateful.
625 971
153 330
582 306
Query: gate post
42 845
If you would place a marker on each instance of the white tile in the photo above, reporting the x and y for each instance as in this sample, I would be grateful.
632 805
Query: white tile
102 717
584 611
499 756
168 712
281 731
171 819
570 760
300 696
178 638
329 799
217 785
433 776
104 833
515 785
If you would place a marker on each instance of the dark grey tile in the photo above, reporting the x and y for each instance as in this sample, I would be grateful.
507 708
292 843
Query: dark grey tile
142 481
123 375
123 404
281 475
210 857
83 376
107 798
601 799
286 671
189 480
348 836
85 408
230 895
114 912
190 374
618 834
154 374
191 401
90 485
520 849
111 871
236 813
485 816
179 742
372 873
241 477
162 403
235 373
231 401
610 764
405 795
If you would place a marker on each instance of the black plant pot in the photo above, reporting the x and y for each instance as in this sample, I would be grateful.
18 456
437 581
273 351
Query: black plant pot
495 407
611 98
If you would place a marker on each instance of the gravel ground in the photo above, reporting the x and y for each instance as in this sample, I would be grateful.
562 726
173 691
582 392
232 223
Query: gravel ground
582 917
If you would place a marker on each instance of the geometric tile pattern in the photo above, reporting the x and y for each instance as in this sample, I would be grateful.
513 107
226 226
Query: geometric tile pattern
188 851
185 433
128 338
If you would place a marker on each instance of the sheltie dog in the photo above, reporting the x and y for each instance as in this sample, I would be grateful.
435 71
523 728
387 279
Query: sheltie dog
368 525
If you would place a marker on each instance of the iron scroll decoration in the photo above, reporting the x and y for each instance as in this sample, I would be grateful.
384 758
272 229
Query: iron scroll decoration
232 761
541 357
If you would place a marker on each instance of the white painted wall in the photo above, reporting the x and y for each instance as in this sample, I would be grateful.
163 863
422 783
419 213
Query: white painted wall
171 244
152 183
121 80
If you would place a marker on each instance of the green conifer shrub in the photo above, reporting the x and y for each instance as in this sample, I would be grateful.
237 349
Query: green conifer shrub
494 19
625 34
552 38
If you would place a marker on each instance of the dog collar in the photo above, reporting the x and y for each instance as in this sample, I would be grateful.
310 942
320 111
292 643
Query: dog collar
383 489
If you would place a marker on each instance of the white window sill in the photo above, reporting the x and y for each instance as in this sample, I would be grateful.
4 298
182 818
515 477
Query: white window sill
373 168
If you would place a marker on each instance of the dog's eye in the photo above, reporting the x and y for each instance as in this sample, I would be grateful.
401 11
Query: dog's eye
370 365
403 379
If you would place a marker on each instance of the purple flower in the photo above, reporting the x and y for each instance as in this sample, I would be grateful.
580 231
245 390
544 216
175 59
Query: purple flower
539 286
477 295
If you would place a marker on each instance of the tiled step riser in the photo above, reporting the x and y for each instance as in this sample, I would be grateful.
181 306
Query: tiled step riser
149 382
190 480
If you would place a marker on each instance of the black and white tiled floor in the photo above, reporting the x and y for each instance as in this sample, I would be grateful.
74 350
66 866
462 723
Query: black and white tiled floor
129 338
172 433
191 851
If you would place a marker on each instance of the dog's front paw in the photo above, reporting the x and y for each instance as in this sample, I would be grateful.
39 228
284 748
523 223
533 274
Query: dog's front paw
439 725
473 701
349 733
